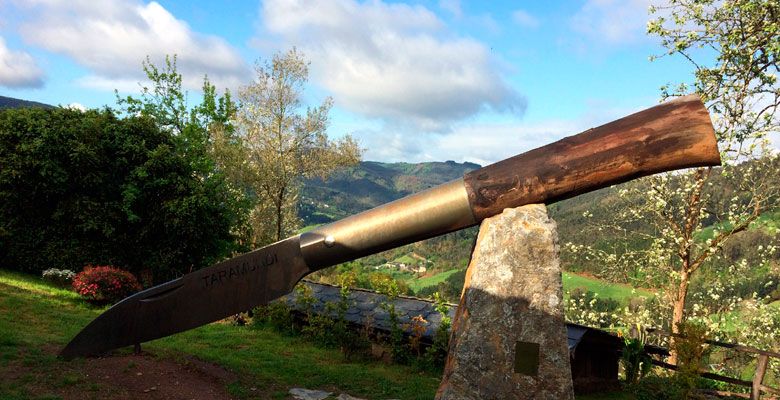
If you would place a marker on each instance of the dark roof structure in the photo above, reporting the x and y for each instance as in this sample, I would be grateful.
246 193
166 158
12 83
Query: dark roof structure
367 307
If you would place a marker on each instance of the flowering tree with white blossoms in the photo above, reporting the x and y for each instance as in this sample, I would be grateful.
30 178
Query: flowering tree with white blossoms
684 219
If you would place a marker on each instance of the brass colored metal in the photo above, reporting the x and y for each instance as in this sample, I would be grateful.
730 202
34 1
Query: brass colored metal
444 208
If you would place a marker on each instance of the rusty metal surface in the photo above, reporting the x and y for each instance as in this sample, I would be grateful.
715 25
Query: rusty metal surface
195 299
444 208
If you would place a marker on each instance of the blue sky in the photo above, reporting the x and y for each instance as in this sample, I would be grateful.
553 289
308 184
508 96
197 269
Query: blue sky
413 81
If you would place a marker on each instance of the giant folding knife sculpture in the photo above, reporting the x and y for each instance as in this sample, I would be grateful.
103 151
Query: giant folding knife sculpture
673 135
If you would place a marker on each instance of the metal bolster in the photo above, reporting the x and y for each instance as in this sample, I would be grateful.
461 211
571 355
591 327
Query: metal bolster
444 208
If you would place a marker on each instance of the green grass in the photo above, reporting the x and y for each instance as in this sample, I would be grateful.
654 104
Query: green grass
308 228
37 319
620 293
768 221
417 284
287 361
607 396
406 259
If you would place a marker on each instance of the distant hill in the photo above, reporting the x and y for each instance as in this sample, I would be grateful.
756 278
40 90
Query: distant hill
10 102
370 184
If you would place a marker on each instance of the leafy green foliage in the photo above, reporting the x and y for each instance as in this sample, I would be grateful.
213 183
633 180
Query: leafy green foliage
636 362
436 353
740 82
81 188
690 348
659 388
277 314
203 137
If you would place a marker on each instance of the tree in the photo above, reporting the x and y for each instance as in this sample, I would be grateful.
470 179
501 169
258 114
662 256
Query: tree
165 101
283 143
81 188
741 91
690 214
203 135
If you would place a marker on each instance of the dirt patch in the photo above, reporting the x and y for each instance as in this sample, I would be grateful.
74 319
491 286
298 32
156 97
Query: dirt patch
125 377
143 376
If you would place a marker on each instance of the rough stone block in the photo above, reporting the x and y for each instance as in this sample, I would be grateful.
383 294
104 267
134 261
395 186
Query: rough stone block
509 338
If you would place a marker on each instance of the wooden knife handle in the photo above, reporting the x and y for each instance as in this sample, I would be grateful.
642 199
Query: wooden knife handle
673 135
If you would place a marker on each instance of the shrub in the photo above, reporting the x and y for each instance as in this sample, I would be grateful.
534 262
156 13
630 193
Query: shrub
59 277
277 314
105 284
659 388
436 354
416 328
636 362
691 349
84 187
597 304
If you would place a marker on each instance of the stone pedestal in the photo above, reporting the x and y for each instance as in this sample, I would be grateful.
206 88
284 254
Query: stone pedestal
509 339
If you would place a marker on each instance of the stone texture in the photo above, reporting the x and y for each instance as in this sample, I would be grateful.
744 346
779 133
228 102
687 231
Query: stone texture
512 293
307 394
345 396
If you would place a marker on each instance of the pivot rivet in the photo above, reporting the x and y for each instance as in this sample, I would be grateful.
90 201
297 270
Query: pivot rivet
329 241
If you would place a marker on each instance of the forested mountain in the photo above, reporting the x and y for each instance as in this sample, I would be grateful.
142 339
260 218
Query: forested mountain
10 102
370 184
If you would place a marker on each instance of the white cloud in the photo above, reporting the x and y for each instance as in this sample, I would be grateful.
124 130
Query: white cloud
112 38
486 142
482 143
77 107
524 19
612 21
395 62
123 85
452 6
18 69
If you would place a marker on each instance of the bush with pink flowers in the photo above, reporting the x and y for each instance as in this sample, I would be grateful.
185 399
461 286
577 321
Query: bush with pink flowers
105 284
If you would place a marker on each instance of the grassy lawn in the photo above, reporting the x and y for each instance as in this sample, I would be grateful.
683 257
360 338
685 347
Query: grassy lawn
417 284
36 320
616 291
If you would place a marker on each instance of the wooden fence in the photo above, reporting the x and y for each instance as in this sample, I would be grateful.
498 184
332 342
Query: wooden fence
756 385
